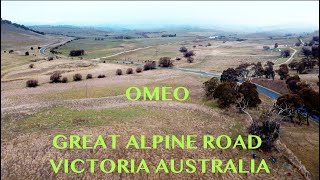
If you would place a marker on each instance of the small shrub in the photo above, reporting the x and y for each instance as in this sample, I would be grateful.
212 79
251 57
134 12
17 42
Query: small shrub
39 47
209 44
165 62
188 54
77 77
266 47
32 83
11 51
64 80
31 66
139 70
285 53
129 71
55 77
183 49
31 48
26 53
50 58
118 72
190 59
101 76
89 76
268 131
149 66
178 59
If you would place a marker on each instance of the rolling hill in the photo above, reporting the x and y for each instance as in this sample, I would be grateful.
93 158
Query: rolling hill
15 35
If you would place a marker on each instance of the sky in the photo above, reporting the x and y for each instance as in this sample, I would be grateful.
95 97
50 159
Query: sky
91 13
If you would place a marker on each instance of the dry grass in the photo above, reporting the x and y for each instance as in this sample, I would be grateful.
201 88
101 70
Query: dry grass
303 141
19 159
31 117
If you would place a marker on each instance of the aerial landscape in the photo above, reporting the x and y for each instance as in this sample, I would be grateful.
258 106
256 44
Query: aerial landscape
93 72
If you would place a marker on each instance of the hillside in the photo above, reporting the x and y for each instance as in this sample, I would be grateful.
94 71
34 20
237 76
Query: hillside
16 35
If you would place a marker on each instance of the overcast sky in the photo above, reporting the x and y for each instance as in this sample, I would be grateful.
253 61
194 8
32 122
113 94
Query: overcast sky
266 13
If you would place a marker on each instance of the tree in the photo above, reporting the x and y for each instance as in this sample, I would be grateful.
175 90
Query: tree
55 77
268 130
129 71
183 49
285 53
315 38
32 83
138 70
276 45
288 105
283 71
250 94
64 80
165 62
310 100
89 76
301 67
269 72
76 52
149 65
306 52
298 43
188 54
226 94
229 75
259 71
118 72
315 51
210 86
292 83
295 77
77 77
308 63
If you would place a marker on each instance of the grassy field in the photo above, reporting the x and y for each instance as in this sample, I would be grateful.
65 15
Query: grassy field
96 49
32 116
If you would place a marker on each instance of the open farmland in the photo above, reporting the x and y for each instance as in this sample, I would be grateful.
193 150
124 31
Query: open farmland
97 78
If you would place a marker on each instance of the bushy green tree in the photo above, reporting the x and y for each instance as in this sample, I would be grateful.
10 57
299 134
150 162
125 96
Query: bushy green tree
210 86
226 93
250 94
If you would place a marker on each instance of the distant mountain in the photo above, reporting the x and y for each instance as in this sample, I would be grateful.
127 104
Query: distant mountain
71 30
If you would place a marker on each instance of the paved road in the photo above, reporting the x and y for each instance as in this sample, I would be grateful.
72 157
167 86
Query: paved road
43 49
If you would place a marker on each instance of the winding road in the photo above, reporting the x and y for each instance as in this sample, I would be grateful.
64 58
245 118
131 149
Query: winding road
261 89
289 59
